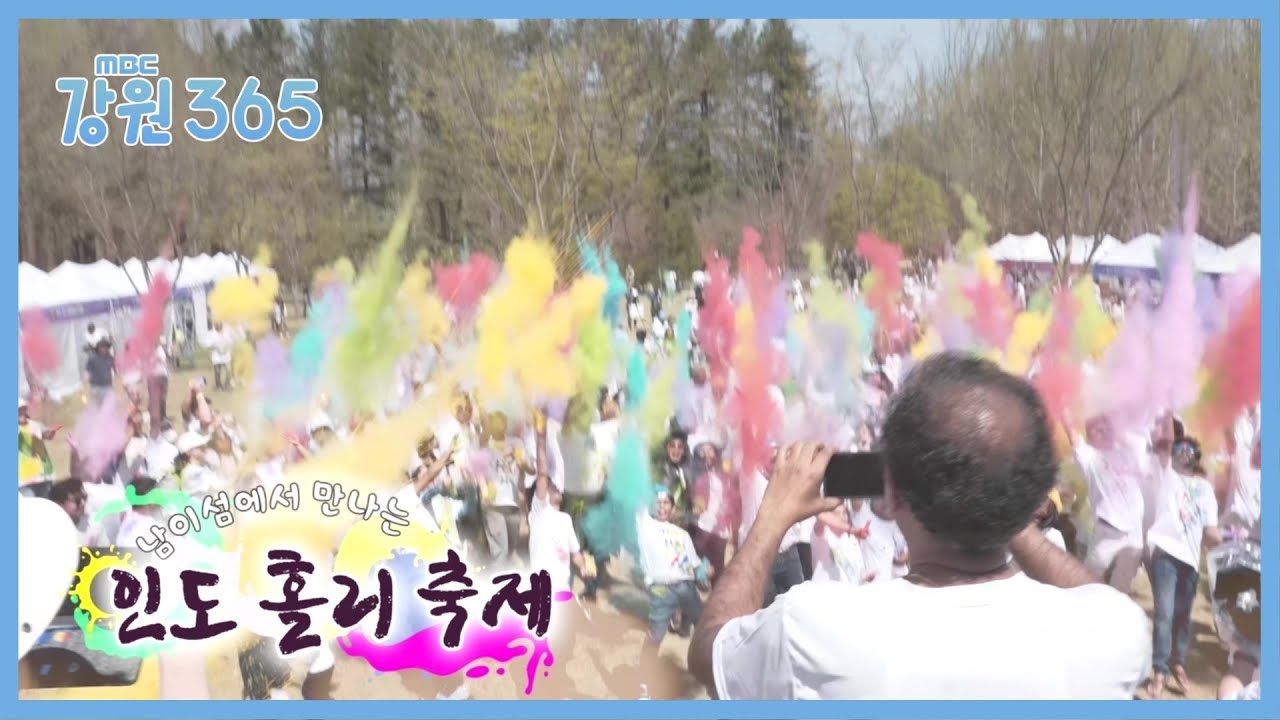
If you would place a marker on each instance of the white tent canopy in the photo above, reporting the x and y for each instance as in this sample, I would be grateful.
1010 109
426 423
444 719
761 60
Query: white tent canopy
73 295
1140 253
1247 253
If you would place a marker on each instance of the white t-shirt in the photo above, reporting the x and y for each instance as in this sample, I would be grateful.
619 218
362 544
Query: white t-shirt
93 338
1185 506
160 366
899 641
506 479
552 543
1244 497
1115 481
667 553
883 544
837 557
135 450
585 458
221 348
97 497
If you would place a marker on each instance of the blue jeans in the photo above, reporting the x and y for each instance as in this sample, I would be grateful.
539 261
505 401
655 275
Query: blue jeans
787 572
1173 589
665 600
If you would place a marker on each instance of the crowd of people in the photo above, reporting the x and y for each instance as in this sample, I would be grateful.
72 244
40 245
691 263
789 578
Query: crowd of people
938 589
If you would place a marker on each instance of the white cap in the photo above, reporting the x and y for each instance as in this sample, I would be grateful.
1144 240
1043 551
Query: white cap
190 441
22 402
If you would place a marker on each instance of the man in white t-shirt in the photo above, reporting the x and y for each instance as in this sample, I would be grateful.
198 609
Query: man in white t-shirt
501 505
220 355
969 459
553 544
1114 467
1185 521
673 574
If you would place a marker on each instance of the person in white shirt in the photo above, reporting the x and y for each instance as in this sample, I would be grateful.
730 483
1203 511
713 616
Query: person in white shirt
659 328
220 356
1113 467
837 549
1242 511
673 573
553 543
194 476
969 458
715 501
1186 521
158 385
502 495
92 336
884 549
72 496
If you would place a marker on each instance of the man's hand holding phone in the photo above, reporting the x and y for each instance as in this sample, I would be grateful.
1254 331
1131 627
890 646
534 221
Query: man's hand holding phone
794 491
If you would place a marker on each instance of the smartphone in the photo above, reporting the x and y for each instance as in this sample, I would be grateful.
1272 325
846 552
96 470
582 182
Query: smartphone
854 475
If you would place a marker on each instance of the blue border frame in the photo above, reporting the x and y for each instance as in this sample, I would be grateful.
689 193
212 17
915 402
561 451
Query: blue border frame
1267 10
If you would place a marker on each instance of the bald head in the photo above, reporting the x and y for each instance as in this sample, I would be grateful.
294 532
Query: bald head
969 449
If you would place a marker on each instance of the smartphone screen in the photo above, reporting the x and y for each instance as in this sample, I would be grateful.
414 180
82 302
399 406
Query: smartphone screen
854 475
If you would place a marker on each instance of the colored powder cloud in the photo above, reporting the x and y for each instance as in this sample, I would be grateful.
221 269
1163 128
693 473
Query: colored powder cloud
882 287
462 286
140 349
247 300
591 362
100 434
514 306
425 309
610 526
1233 366
39 349
365 356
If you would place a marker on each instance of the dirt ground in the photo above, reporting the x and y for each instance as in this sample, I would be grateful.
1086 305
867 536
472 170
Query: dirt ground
603 657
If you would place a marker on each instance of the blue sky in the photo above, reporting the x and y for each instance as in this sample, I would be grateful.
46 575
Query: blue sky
922 41
830 39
